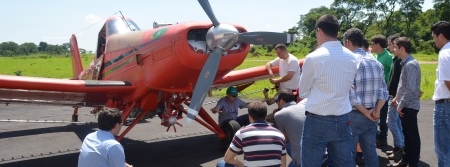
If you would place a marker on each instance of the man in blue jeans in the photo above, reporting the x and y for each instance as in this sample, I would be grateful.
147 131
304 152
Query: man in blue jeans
441 36
326 80
393 120
367 97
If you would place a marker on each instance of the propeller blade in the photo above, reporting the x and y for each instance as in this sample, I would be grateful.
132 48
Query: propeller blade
264 38
204 82
207 8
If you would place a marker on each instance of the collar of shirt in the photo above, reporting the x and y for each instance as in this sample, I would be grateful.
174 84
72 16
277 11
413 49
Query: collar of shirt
408 57
289 104
360 51
384 52
331 44
446 46
259 122
105 133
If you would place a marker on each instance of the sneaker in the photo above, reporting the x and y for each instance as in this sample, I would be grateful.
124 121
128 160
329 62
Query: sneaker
392 151
381 143
397 155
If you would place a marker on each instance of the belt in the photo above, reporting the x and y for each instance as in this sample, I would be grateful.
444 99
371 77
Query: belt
309 113
353 108
442 101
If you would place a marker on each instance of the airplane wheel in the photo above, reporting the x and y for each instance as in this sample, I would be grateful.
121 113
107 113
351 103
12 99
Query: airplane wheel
230 127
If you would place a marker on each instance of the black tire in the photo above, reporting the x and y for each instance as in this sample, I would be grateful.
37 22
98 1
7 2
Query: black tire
230 127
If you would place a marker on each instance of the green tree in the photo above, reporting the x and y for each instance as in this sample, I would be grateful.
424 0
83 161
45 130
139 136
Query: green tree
9 48
27 48
443 9
42 46
386 9
411 10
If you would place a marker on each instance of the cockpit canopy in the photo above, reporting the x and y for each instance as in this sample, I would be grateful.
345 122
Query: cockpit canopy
118 25
114 25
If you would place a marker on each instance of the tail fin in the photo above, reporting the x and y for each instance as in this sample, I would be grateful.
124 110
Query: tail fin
76 58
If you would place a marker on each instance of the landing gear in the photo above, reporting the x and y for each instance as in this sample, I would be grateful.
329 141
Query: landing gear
75 114
229 127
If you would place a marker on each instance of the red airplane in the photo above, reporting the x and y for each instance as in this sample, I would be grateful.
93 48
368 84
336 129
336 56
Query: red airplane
153 72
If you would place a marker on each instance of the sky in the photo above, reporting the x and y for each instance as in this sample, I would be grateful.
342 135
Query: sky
54 21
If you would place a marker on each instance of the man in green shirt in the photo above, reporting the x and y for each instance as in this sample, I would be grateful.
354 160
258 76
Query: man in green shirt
379 45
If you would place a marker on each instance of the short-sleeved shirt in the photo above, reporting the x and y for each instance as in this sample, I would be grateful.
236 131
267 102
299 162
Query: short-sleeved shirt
442 74
262 144
290 120
101 149
229 109
290 64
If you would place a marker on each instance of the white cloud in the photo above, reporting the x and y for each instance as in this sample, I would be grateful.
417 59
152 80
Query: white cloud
91 19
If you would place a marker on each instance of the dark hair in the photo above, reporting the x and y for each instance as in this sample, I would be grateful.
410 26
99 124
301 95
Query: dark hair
329 24
393 37
108 118
380 39
405 43
280 46
355 36
257 110
286 95
441 27
365 43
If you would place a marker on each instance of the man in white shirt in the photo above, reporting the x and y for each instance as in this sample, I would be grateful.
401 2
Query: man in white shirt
100 148
327 76
289 69
441 36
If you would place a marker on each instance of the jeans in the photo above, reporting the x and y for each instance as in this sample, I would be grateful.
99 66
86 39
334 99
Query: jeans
441 125
331 132
222 163
364 131
288 151
412 137
395 125
243 120
382 134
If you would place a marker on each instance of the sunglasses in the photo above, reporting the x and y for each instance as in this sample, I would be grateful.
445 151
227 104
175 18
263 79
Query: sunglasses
233 95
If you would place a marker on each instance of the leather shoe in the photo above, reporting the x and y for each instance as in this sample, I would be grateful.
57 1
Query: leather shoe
400 164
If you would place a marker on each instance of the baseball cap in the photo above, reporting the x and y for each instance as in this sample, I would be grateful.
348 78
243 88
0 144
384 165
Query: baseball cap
232 91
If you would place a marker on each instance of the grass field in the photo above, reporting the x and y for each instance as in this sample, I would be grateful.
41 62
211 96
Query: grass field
61 67
41 65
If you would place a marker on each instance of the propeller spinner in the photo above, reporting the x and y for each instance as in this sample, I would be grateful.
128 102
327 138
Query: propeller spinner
220 38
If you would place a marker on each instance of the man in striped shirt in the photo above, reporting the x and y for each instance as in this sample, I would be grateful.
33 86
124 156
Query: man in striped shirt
326 80
262 144
367 97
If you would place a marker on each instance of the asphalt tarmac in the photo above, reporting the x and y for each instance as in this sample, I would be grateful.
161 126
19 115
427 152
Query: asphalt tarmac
146 145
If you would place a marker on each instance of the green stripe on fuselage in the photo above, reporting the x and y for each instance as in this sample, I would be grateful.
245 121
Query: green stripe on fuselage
114 68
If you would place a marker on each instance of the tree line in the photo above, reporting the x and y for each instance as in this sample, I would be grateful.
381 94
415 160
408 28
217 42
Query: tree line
373 17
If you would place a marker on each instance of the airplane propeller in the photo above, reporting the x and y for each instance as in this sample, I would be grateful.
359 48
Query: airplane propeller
220 38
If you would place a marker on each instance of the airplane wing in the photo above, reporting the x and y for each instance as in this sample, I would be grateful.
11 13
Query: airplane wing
245 76
61 91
